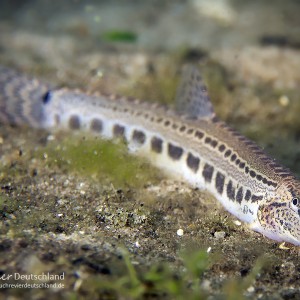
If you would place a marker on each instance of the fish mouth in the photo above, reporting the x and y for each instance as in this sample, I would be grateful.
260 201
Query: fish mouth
276 235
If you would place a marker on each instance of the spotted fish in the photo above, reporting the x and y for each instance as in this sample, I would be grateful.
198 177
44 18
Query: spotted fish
189 142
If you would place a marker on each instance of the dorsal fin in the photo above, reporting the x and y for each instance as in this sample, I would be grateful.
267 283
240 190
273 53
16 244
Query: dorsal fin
192 99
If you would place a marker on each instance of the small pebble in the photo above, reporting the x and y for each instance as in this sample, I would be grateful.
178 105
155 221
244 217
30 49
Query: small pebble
50 137
219 234
284 101
206 284
282 246
180 232
237 222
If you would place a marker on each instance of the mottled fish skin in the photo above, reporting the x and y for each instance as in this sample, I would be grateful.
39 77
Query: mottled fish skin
189 142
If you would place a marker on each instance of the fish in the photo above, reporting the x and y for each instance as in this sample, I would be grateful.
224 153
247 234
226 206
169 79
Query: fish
189 142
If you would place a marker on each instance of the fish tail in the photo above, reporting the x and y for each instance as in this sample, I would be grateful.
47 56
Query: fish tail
22 99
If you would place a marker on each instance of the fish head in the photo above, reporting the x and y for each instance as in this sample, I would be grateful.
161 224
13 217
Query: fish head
278 218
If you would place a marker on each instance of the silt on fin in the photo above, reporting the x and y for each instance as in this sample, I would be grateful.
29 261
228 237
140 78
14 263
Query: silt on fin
192 99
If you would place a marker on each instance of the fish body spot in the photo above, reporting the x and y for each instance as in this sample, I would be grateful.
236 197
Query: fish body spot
74 122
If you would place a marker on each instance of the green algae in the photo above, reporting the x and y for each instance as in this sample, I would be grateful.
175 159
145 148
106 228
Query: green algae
237 288
119 36
90 160
163 280
101 160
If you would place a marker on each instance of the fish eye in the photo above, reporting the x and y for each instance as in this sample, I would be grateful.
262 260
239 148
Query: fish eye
295 201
